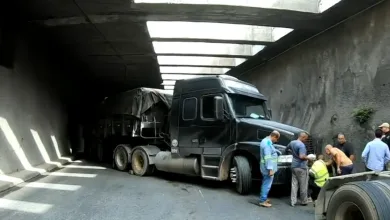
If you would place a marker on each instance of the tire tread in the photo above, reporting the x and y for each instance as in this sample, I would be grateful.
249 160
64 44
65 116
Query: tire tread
245 175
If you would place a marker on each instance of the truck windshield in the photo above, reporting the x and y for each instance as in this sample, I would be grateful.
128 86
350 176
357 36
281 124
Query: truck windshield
248 107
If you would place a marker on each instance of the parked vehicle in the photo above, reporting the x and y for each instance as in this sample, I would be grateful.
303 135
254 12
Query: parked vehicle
210 127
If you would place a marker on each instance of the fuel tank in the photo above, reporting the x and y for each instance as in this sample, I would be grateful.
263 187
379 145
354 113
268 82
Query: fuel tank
187 166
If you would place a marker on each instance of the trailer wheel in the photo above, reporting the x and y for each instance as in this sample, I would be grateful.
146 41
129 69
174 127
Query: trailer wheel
121 159
140 163
359 201
243 175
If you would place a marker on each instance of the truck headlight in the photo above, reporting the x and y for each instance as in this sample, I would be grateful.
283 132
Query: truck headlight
285 159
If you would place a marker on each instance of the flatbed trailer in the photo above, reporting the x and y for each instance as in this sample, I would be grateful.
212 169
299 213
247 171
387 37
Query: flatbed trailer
359 196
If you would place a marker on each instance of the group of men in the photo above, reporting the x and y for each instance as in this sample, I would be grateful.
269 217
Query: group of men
309 181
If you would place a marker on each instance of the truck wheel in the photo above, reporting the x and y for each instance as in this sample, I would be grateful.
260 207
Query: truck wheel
243 175
140 163
359 201
121 159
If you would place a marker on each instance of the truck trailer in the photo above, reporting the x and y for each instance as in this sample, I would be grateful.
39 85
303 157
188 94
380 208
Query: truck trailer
210 127
359 196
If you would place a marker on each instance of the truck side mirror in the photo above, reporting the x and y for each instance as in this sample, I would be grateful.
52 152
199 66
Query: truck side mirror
218 108
270 112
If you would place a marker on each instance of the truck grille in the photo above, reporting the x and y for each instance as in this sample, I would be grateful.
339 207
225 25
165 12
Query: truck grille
309 146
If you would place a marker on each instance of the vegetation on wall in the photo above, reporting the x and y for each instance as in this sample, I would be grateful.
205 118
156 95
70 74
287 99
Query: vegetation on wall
363 115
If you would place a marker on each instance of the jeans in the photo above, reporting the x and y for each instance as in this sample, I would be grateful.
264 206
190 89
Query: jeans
346 170
265 187
300 179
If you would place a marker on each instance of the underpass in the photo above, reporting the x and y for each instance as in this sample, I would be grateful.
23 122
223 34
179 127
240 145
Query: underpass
316 62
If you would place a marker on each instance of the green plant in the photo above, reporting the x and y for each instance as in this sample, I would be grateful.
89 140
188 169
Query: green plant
362 115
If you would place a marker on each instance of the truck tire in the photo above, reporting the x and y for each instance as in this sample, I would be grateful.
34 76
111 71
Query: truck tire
121 159
359 201
140 163
244 175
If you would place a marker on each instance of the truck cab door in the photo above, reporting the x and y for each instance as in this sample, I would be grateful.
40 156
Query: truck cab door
188 132
214 133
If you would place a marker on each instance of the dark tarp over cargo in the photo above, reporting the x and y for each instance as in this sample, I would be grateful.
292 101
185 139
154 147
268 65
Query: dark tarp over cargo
135 102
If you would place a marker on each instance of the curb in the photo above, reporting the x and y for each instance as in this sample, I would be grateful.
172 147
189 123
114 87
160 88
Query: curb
26 175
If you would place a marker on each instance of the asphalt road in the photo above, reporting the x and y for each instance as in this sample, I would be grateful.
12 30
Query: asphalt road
86 191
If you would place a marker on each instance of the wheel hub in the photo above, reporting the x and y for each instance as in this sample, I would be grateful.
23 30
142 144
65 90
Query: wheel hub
139 162
233 174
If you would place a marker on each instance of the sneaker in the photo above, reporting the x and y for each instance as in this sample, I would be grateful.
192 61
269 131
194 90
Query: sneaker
268 201
309 200
265 204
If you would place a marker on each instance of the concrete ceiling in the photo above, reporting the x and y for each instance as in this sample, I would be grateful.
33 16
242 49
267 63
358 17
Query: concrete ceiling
111 38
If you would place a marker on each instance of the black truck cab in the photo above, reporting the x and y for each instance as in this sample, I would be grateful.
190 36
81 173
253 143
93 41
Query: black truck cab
213 130
220 118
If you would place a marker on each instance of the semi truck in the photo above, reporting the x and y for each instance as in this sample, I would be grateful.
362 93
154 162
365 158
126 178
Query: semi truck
210 127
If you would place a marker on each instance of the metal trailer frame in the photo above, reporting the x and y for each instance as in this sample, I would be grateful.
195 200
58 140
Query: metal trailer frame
333 183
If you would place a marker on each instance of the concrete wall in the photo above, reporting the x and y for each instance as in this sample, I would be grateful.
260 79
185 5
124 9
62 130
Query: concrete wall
330 75
29 100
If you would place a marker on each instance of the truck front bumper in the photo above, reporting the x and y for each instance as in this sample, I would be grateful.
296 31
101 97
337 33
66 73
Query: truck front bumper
283 175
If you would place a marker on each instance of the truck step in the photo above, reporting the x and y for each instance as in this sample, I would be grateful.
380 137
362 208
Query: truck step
210 177
210 166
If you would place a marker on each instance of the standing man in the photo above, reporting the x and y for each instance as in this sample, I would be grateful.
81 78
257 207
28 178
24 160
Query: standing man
344 165
299 169
268 166
376 154
345 146
385 127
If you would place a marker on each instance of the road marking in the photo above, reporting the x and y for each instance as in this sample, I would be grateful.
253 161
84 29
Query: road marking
83 175
65 187
201 193
32 207
208 206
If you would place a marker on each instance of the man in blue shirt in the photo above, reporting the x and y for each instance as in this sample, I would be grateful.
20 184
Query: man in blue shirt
299 169
376 154
268 165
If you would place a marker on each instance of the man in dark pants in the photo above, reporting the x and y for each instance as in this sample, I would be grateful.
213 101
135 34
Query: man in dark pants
345 146
385 127
344 164
318 176
376 154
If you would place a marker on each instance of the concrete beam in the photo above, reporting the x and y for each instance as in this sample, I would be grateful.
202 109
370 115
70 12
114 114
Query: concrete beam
174 54
193 70
206 48
312 6
229 14
199 61
214 31
204 55
204 66
206 40
198 13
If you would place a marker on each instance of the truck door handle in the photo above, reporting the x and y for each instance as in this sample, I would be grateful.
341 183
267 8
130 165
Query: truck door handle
195 140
